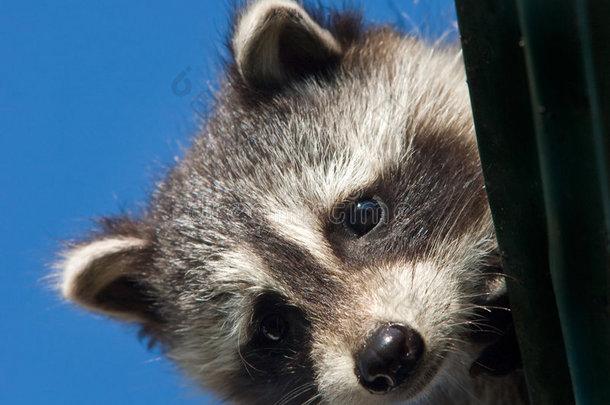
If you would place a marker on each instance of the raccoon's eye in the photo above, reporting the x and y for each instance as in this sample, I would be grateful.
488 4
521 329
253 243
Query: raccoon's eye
273 328
363 216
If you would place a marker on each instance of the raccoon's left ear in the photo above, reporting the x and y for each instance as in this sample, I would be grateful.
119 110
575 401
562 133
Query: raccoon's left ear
276 40
107 276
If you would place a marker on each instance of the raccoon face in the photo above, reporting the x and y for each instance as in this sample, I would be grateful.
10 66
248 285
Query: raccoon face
326 239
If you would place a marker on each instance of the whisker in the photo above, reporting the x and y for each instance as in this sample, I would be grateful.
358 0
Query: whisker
294 393
312 399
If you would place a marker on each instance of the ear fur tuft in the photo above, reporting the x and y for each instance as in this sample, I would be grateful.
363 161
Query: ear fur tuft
277 40
106 276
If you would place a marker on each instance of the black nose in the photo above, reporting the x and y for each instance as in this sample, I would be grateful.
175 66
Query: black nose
388 358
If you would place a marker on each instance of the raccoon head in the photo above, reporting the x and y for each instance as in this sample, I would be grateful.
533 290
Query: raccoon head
326 239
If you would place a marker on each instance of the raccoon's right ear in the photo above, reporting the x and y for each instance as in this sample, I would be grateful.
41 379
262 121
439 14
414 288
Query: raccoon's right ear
107 276
277 40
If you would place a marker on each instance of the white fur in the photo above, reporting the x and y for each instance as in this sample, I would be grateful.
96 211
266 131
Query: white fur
303 227
245 269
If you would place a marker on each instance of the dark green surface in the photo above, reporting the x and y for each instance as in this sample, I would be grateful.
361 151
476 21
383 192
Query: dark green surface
497 79
572 143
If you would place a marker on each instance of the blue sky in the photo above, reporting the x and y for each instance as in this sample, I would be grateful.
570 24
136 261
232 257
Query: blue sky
88 121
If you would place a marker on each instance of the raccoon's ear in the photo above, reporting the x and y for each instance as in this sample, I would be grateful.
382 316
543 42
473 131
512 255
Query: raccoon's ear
106 276
276 40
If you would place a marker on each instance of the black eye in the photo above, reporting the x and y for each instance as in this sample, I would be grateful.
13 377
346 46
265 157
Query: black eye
273 327
363 216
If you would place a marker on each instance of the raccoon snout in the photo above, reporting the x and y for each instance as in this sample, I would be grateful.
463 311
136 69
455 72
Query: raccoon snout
388 358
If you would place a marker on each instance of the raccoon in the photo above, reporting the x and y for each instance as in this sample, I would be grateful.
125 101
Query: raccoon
326 239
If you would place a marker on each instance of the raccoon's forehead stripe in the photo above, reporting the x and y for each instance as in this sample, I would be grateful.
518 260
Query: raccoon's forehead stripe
246 269
290 264
304 229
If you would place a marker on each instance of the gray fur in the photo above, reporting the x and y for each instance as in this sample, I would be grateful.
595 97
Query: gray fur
246 224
